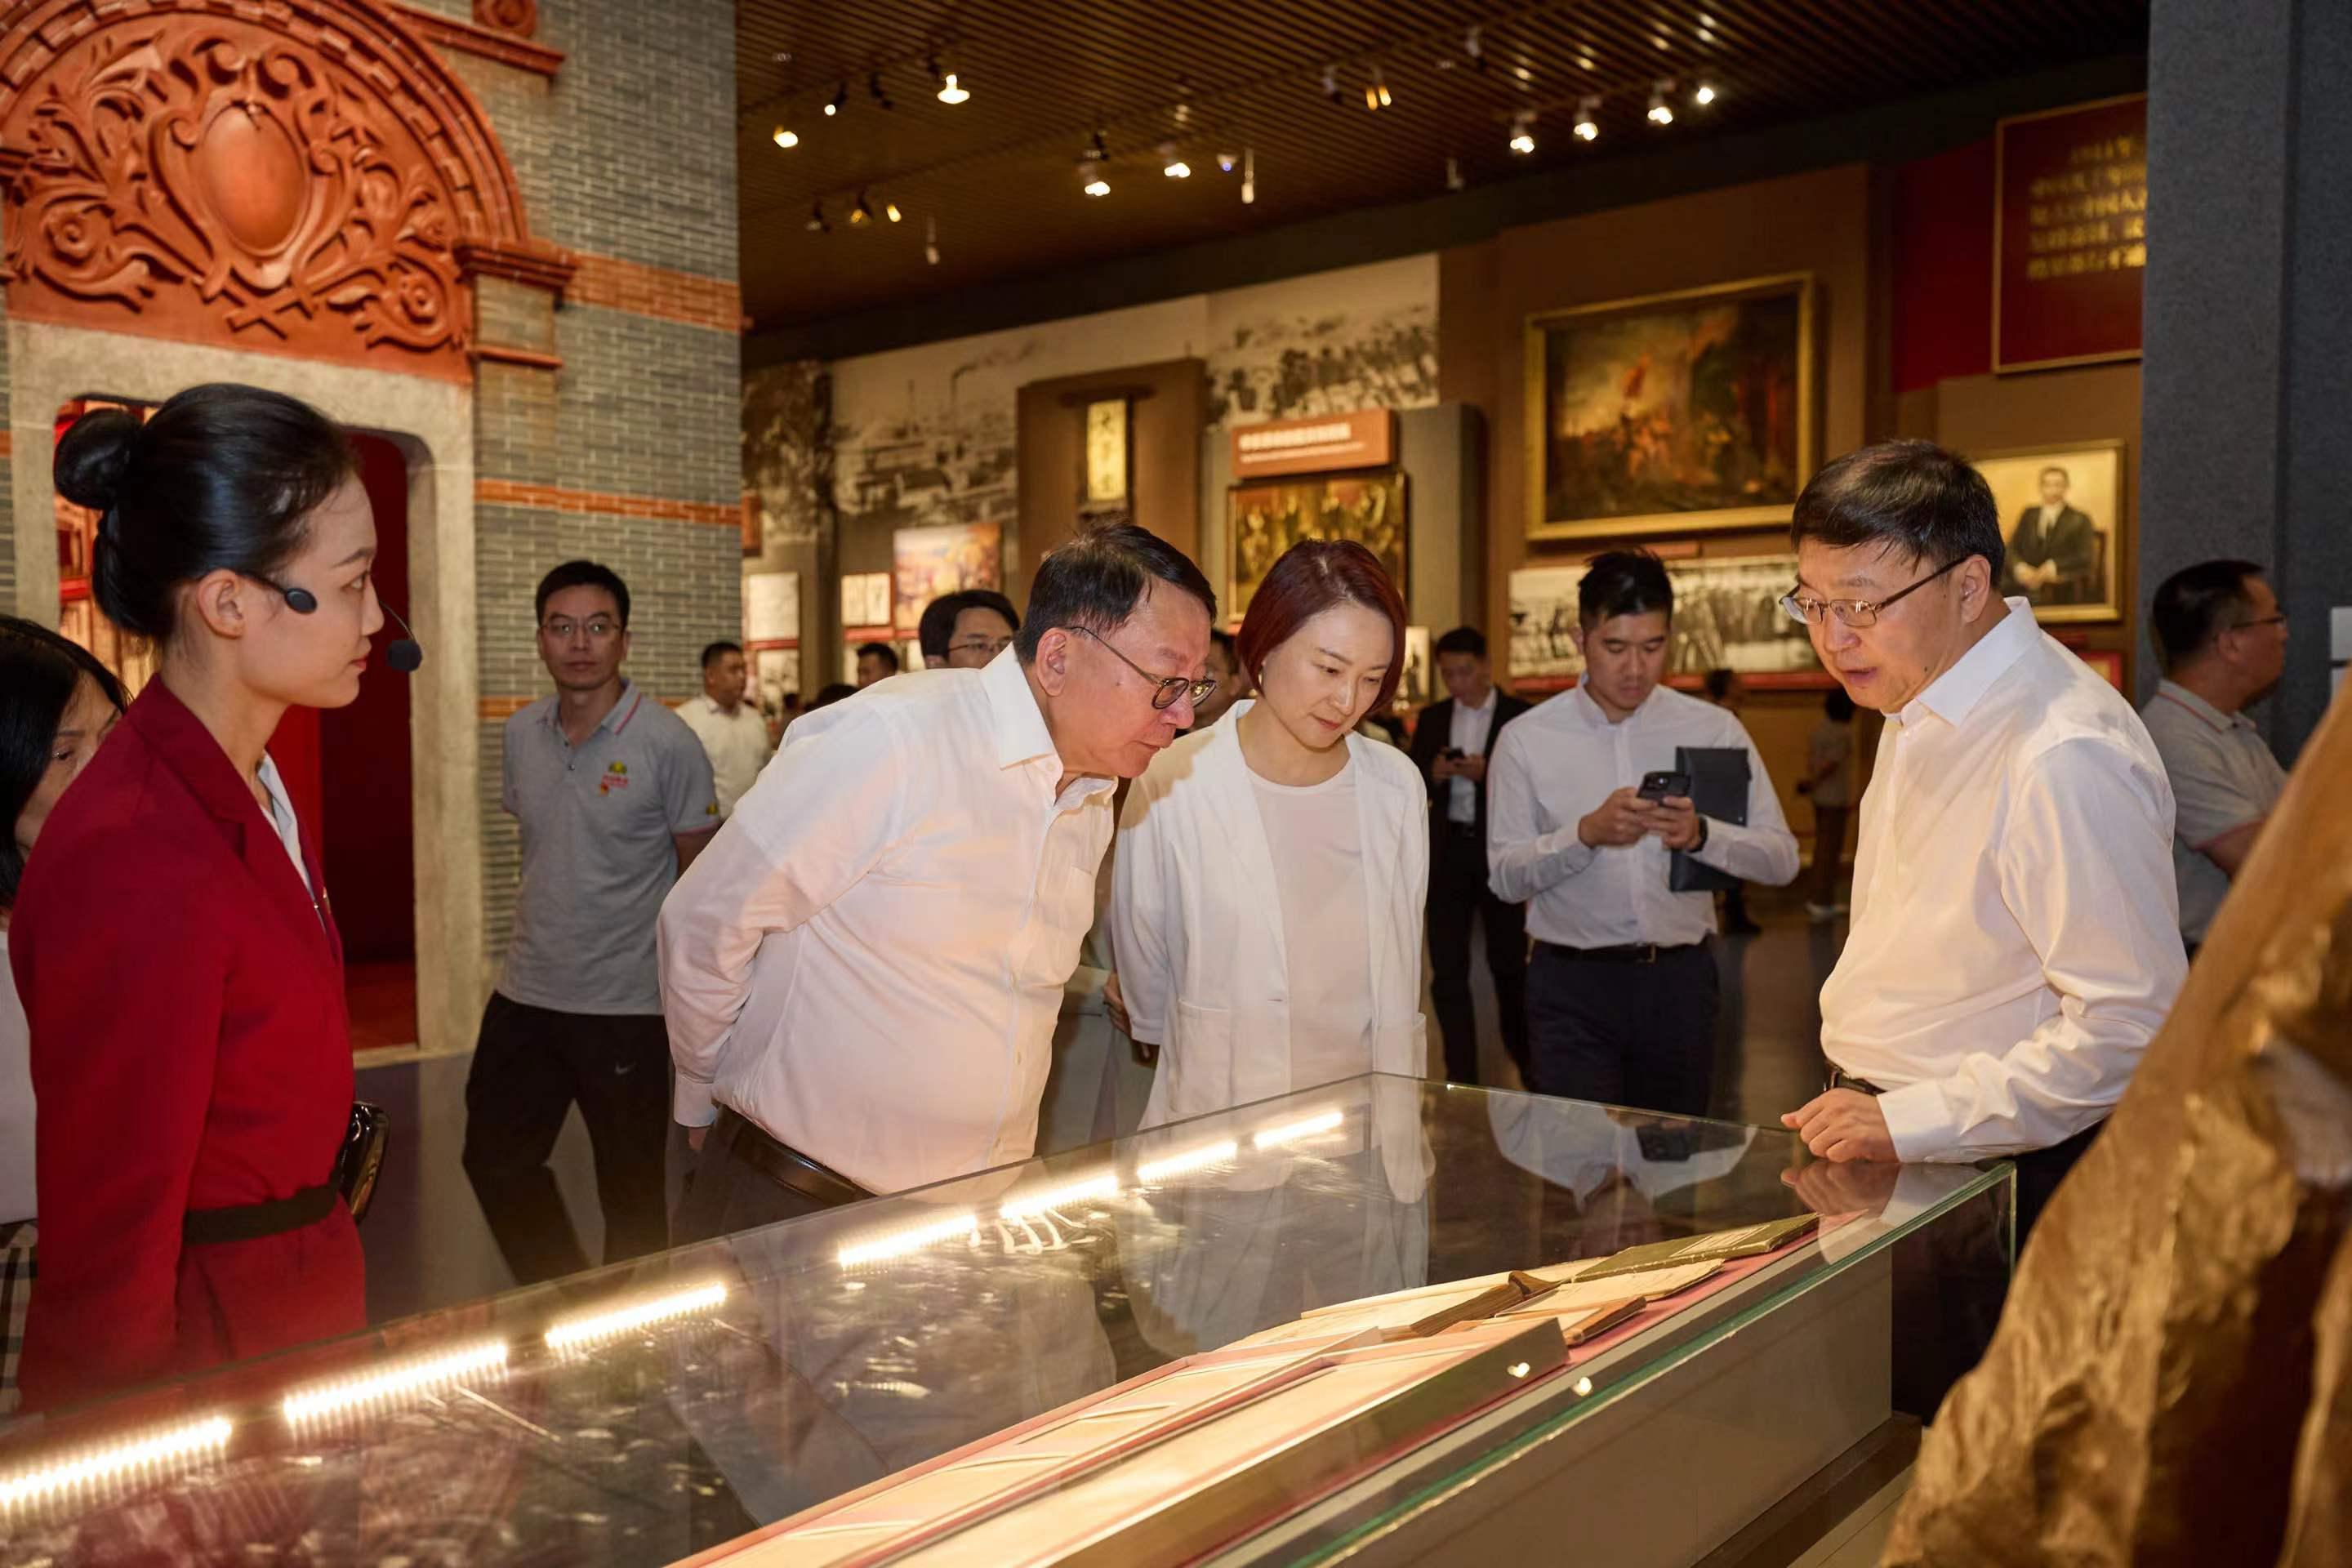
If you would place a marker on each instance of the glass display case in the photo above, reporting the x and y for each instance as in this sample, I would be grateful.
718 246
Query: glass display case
1228 1339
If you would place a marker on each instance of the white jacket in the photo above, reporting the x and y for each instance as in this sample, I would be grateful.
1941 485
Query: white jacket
1196 921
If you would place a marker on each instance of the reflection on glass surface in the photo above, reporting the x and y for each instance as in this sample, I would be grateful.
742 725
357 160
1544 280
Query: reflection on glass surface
734 1383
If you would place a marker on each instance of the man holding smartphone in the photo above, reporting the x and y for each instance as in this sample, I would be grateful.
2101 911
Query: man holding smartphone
1586 808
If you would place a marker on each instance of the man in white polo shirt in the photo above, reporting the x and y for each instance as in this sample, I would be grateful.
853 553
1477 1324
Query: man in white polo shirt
863 978
733 734
2014 944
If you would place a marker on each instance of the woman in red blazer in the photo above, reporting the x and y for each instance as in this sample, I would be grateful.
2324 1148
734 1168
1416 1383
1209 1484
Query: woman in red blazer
171 940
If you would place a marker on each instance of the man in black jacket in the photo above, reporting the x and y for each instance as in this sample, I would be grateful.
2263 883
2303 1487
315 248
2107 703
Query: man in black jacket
2053 555
1450 745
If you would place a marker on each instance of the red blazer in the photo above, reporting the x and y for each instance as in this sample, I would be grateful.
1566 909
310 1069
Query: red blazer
190 1051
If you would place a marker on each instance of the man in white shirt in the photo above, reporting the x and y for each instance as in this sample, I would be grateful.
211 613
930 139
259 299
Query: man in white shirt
733 734
862 981
2014 943
1451 745
1623 991
2222 638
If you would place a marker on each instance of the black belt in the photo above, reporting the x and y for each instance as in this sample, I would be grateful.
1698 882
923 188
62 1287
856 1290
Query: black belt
1630 953
785 1165
1836 1077
251 1222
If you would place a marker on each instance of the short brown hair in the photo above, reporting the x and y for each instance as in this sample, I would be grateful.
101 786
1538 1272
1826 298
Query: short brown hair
1313 575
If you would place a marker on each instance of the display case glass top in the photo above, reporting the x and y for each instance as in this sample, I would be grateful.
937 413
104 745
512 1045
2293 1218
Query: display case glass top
644 1414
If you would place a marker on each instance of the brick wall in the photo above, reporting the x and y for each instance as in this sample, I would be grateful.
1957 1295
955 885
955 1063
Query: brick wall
627 453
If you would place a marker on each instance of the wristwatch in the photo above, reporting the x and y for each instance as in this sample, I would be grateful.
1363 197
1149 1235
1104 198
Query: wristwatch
1702 836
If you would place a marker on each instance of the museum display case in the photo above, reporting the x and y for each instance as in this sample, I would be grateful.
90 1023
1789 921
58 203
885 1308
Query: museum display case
1379 1319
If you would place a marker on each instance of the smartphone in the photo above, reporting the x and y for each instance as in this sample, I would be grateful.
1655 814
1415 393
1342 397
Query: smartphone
1661 782
1452 753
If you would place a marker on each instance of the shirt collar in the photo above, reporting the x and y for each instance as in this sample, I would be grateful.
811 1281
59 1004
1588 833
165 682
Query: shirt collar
2200 707
1020 724
1486 707
1954 694
617 719
1590 711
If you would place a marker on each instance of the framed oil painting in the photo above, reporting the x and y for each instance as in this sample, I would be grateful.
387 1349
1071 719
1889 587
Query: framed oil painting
1265 519
1671 412
929 562
2062 527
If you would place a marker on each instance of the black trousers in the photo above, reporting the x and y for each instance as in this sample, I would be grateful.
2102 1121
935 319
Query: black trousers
1624 1032
531 1066
1458 892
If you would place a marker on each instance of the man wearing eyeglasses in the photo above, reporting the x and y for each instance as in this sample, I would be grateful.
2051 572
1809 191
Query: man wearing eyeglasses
2013 946
863 978
2222 639
965 630
614 796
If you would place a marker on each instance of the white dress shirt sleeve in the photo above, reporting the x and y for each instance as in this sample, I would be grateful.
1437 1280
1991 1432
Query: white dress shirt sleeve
1522 859
2086 863
815 824
1139 915
1762 849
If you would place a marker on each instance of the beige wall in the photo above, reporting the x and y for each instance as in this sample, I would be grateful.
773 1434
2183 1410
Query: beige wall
432 424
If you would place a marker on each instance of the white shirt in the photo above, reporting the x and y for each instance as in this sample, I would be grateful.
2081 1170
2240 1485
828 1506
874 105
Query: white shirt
1467 733
868 960
1198 928
736 744
289 831
15 1096
1319 873
1564 758
2015 943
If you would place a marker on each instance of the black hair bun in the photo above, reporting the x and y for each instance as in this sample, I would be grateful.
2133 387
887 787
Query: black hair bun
94 457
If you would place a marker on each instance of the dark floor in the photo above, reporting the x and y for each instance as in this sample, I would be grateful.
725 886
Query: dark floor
427 1246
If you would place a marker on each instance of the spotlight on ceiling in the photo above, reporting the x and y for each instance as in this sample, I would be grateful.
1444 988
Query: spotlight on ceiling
1249 176
890 210
1705 95
1174 167
931 241
1523 132
1090 179
816 224
1588 117
1660 111
950 90
860 215
840 97
784 138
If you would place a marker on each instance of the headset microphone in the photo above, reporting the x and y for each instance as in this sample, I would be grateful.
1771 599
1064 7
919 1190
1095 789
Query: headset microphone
404 656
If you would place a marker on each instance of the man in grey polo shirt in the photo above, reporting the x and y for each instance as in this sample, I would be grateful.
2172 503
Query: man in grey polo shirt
615 797
2222 639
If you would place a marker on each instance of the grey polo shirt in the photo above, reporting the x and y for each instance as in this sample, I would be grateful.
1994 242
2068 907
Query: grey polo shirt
597 856
2223 777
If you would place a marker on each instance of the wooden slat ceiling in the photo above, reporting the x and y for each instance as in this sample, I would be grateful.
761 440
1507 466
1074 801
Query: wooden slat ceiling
998 174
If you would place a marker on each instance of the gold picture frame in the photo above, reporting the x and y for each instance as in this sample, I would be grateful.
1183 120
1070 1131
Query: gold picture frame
1653 440
2095 491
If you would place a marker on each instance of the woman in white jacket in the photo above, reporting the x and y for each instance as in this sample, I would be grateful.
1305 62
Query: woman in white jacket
1266 917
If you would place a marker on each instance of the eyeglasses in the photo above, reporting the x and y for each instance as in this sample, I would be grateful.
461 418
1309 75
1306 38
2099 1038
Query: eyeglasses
992 646
1166 689
1852 613
2277 620
598 629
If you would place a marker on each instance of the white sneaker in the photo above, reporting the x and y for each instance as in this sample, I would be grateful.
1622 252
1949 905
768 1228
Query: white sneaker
1820 913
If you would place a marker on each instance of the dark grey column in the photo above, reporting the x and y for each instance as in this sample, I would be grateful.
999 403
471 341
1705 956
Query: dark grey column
2246 426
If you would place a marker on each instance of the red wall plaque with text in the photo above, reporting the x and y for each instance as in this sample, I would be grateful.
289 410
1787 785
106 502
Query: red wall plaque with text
2070 225
1364 439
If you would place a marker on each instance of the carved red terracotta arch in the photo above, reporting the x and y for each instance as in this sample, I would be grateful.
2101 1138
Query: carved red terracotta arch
302 177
